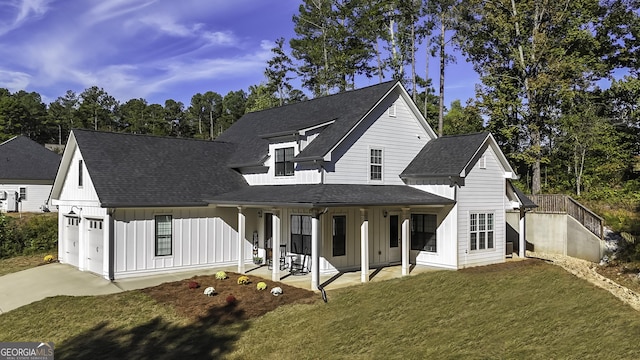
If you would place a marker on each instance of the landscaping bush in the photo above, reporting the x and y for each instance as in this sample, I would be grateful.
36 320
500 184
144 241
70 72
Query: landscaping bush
32 234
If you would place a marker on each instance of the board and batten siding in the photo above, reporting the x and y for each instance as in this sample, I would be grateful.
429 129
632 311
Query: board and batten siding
483 192
81 195
202 238
401 137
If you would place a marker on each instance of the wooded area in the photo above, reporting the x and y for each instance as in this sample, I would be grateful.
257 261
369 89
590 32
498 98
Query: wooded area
559 84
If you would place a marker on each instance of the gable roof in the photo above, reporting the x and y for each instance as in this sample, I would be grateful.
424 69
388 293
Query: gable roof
523 199
329 195
140 170
452 156
24 159
341 112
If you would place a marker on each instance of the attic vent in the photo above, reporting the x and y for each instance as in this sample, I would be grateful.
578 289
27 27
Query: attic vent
483 162
391 111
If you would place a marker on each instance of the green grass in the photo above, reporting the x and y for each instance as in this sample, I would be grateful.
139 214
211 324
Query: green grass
535 312
23 262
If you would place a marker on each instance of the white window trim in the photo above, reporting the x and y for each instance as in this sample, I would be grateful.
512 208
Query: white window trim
275 174
493 230
482 163
369 164
155 237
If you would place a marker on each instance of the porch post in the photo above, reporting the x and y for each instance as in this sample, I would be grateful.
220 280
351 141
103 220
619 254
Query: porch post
522 246
315 251
405 241
241 239
275 245
364 246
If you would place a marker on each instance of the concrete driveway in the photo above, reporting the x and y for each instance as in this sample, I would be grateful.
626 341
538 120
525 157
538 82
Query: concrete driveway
27 286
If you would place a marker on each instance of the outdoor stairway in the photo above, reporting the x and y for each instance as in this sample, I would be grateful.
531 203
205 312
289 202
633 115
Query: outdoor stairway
564 204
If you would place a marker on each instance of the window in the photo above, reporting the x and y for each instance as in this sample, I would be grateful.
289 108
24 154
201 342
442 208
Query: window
481 231
80 173
423 232
375 162
301 234
23 193
339 235
284 162
164 236
391 111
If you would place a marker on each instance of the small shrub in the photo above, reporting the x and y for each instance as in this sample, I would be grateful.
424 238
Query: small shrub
48 258
262 285
231 299
193 285
221 275
210 291
243 280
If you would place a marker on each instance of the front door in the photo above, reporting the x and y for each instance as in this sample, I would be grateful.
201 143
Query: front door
394 238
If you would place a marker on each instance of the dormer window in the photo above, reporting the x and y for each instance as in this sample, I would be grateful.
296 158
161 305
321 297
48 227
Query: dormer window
284 162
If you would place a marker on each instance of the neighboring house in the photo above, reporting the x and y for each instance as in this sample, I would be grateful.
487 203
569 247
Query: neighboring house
27 172
354 180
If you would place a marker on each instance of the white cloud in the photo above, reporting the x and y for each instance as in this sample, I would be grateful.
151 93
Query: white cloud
23 10
14 80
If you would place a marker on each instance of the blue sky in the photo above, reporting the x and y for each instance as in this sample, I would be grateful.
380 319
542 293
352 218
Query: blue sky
156 50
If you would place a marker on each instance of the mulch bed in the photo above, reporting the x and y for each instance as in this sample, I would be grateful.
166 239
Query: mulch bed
250 302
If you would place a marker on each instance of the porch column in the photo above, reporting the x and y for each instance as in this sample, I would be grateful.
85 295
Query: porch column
315 251
275 245
522 247
405 241
241 239
364 246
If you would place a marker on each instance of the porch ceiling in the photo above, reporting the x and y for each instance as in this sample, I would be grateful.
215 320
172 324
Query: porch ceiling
329 195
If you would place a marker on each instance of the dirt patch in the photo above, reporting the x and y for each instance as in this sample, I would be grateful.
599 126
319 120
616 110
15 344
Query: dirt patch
250 302
588 271
627 275
503 266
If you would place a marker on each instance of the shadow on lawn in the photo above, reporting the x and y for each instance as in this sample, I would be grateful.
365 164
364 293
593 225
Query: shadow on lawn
211 336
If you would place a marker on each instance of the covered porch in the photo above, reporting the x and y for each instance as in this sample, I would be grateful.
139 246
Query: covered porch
338 230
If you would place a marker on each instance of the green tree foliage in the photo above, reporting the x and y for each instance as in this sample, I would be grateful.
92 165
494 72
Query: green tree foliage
277 73
529 55
97 109
462 120
22 237
261 97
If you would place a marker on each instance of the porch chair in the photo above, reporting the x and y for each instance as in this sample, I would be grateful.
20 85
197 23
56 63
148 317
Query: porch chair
301 265
282 259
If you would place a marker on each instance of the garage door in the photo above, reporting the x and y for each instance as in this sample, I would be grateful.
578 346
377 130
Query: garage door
71 243
95 246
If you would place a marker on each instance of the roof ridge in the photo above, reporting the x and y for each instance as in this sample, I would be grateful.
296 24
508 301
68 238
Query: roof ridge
324 96
147 135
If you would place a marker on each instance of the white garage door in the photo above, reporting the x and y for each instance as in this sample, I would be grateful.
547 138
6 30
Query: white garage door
95 246
71 243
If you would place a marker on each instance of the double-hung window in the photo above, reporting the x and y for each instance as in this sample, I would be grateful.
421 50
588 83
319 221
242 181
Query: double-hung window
375 164
423 232
164 236
284 162
23 193
481 231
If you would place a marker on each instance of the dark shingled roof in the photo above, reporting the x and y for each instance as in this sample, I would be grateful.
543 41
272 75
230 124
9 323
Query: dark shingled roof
526 202
141 170
445 156
345 108
328 195
24 159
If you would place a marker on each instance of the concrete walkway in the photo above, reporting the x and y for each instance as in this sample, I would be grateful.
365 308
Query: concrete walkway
27 286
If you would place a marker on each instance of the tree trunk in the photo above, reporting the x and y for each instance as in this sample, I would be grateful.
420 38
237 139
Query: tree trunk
414 91
380 74
211 123
442 63
536 186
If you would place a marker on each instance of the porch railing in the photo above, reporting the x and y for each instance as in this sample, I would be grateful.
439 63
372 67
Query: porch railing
564 204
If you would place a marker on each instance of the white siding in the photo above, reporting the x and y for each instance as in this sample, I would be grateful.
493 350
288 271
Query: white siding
303 174
484 191
37 196
85 194
400 137
202 237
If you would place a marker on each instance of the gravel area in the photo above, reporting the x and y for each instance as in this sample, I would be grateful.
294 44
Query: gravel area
586 270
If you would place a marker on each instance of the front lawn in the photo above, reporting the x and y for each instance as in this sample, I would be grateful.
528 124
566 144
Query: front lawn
529 310
23 262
